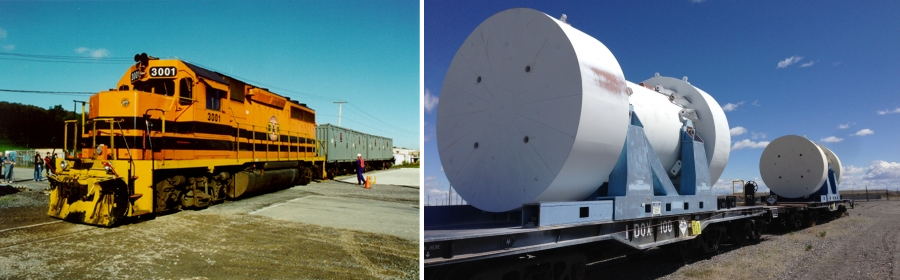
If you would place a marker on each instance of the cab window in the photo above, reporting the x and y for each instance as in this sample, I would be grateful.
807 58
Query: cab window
213 98
158 86
186 86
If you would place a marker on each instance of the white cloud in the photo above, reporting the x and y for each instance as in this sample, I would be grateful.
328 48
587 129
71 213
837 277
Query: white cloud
836 63
722 187
788 61
747 143
731 106
808 64
831 139
877 176
95 53
864 132
885 112
738 130
844 126
9 47
698 1
755 135
881 170
755 103
850 169
3 33
431 101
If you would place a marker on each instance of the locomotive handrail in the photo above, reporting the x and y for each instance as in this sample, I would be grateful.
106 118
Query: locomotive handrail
66 136
95 132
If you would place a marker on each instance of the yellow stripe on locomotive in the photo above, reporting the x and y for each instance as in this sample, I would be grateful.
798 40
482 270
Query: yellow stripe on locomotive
174 135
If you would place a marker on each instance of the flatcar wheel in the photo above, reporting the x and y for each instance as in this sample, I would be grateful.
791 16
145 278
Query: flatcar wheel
686 250
810 219
578 271
739 232
791 223
756 229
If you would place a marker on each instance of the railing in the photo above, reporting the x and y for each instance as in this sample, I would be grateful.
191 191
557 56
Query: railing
302 139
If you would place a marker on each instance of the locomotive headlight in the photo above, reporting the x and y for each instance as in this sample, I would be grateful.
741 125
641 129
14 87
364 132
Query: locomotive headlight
64 165
108 169
125 102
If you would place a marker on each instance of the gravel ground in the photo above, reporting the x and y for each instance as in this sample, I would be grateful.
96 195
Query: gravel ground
221 242
863 245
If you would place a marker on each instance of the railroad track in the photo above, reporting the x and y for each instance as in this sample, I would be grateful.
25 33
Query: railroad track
40 238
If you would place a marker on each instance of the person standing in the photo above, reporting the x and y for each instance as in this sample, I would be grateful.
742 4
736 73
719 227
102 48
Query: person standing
2 168
9 163
38 164
360 168
48 165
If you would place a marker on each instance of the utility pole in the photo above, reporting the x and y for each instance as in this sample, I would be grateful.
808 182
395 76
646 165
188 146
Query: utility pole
867 192
340 108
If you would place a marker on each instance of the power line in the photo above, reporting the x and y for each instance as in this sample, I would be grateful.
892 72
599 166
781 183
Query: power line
43 56
302 94
64 58
377 119
313 96
66 61
48 92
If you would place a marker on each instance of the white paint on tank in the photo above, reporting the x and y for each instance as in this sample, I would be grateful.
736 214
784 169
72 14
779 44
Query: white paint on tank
834 161
531 110
793 166
663 131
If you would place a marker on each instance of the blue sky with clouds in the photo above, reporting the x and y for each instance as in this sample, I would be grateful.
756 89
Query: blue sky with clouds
317 52
823 69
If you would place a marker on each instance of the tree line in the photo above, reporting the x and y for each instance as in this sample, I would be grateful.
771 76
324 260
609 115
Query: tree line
33 127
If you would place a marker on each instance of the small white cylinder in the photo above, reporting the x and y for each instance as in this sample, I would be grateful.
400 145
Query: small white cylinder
662 123
793 166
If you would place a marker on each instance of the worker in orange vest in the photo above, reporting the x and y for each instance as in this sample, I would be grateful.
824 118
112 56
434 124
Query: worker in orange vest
360 167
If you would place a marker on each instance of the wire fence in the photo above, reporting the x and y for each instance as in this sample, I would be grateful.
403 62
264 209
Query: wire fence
25 158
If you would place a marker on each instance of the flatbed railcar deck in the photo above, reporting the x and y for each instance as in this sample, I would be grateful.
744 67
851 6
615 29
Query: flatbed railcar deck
461 236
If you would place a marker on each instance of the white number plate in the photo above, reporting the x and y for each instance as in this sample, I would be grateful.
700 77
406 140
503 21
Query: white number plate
163 71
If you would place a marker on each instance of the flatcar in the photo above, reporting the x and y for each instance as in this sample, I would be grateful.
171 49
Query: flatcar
174 135
569 163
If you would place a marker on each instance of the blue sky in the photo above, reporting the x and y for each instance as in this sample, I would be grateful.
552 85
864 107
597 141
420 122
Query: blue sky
824 69
317 52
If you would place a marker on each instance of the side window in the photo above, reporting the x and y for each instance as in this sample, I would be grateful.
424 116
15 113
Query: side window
213 97
186 88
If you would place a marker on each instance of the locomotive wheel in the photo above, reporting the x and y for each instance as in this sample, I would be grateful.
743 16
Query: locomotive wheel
305 176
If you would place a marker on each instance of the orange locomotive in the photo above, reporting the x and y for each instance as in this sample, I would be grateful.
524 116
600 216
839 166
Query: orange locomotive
174 135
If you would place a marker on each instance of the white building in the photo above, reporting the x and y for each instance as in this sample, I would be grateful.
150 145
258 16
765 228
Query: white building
407 155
